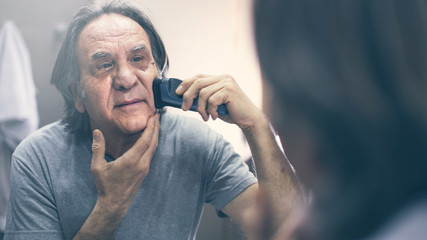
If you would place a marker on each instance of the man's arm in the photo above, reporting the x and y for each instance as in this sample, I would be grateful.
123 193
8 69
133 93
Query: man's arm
118 181
278 189
265 207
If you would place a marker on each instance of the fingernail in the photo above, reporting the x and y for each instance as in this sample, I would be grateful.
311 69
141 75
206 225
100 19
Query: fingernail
178 90
96 135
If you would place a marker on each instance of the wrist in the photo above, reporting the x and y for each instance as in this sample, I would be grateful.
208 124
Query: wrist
260 125
111 212
101 223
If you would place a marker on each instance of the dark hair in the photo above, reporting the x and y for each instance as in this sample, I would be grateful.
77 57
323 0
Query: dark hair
66 72
355 73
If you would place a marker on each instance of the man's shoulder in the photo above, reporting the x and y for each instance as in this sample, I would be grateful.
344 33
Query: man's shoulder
51 137
54 131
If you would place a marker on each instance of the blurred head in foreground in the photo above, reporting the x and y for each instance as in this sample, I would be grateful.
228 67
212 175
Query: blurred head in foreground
348 84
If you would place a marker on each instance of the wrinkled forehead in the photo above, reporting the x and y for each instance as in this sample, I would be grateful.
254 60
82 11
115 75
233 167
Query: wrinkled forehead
109 29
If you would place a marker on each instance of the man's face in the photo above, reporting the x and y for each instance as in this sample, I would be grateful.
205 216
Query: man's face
117 70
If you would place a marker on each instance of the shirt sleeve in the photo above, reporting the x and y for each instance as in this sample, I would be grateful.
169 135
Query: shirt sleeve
32 212
228 175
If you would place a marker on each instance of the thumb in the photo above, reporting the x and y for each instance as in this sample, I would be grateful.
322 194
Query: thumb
98 149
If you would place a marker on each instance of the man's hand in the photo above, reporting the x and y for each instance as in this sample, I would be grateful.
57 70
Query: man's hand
118 181
213 91
276 179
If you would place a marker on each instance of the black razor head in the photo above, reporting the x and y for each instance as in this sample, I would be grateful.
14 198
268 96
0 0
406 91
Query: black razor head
158 103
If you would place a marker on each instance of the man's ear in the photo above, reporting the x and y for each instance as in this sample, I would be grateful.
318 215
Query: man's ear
78 103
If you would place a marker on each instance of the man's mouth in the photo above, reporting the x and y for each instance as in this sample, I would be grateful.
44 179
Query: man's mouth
126 103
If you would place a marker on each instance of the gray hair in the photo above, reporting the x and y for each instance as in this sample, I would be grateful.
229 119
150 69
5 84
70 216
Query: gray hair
66 72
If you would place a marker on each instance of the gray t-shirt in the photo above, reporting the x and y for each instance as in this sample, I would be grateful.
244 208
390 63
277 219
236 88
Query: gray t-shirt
53 190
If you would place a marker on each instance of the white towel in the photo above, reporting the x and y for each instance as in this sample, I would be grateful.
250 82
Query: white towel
18 105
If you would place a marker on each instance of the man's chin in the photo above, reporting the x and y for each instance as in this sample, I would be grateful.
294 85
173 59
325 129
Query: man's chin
135 127
134 130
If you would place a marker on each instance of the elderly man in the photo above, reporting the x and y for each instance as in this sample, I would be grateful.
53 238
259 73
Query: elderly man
115 168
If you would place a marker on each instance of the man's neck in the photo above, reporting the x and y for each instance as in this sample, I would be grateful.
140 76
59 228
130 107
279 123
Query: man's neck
117 145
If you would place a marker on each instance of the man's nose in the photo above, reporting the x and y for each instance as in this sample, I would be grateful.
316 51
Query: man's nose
124 78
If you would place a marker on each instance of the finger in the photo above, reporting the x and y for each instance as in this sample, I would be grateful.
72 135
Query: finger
152 136
145 160
186 83
194 88
217 94
220 97
144 141
205 102
98 151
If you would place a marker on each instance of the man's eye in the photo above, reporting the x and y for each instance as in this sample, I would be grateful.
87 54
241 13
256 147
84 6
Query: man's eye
105 66
137 59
